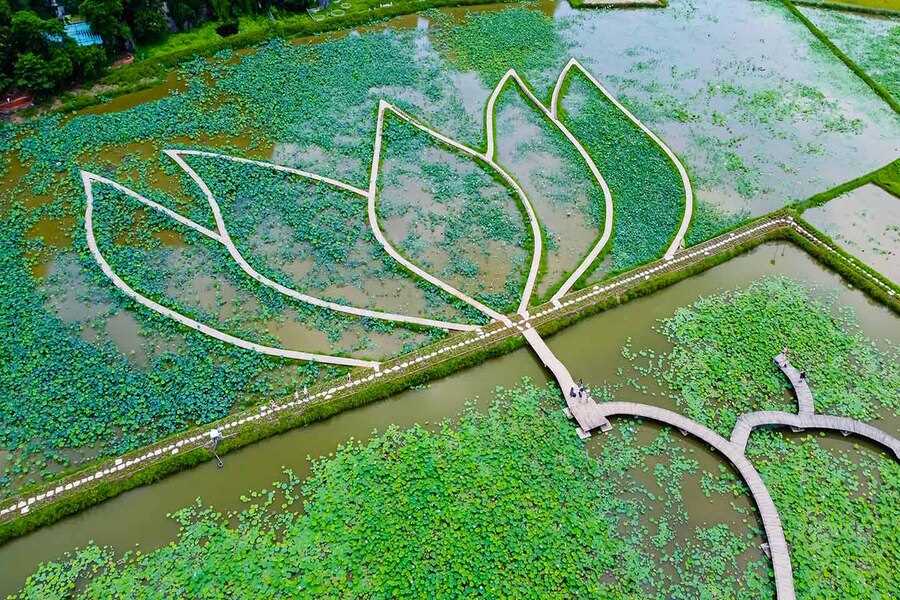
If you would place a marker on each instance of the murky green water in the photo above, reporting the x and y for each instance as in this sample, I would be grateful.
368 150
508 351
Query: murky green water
591 349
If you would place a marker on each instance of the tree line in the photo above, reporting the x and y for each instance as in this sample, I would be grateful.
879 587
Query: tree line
37 57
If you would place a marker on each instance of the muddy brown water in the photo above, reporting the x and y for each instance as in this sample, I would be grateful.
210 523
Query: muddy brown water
590 348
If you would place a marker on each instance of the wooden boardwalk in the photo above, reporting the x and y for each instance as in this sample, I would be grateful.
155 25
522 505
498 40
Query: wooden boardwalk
798 380
781 558
748 422
586 412
806 417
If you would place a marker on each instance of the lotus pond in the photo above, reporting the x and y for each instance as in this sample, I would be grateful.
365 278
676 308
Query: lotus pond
871 41
757 108
682 523
95 375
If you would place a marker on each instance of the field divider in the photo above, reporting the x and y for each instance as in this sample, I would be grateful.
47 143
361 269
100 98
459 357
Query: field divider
29 511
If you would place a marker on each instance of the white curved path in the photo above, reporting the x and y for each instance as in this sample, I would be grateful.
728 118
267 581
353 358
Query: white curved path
679 166
222 236
490 152
88 179
226 240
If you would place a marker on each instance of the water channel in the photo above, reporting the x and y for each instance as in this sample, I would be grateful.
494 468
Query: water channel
590 348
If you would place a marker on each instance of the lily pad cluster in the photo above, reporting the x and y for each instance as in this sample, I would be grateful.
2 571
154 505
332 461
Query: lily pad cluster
648 196
721 363
501 503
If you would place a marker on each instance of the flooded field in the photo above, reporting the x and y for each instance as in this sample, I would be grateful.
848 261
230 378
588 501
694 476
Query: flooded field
871 41
592 349
866 222
758 110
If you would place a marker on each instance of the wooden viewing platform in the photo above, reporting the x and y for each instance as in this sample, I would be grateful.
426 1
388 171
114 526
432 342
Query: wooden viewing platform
581 407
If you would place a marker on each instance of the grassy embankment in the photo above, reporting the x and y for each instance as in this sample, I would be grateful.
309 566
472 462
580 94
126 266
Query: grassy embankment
851 64
869 7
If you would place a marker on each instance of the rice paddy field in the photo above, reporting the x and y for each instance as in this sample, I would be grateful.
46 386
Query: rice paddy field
507 500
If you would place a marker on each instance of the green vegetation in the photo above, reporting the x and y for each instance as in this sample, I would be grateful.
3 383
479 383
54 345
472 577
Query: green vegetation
620 3
647 192
453 216
840 514
877 87
569 203
529 41
872 42
35 54
721 364
839 509
114 401
875 7
504 503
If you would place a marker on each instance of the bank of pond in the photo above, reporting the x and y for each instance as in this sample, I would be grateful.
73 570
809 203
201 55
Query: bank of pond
460 486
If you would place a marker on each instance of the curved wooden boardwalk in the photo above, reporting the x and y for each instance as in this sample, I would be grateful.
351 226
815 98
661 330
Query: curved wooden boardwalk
804 395
781 559
748 422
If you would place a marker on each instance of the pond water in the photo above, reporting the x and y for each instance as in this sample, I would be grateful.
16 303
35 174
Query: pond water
591 349
745 95
866 222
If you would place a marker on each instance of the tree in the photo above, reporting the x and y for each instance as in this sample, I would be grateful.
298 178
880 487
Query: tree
105 17
89 63
41 75
186 13
28 32
145 19
7 55
32 74
222 9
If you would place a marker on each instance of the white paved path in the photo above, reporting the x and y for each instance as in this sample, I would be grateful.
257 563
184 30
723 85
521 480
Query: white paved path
88 179
490 153
226 240
685 180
